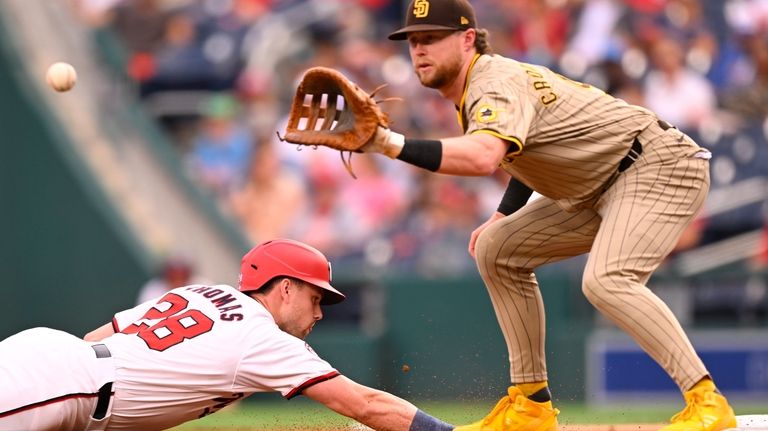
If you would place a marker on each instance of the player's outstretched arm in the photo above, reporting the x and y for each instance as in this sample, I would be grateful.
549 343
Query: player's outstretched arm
477 154
376 409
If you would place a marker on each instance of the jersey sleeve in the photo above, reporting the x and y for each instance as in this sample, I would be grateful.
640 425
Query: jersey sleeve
283 363
125 318
496 108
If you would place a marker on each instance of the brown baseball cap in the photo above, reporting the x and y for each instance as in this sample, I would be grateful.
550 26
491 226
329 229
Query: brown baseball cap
424 15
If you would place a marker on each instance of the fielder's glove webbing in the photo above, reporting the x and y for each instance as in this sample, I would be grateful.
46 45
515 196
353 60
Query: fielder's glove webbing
330 110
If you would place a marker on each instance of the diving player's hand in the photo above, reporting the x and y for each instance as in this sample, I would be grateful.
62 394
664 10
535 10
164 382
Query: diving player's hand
475 233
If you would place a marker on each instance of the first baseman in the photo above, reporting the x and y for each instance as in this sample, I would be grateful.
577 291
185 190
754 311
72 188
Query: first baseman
617 182
191 352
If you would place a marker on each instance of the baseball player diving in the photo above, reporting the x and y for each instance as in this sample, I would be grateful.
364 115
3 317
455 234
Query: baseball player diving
191 352
616 182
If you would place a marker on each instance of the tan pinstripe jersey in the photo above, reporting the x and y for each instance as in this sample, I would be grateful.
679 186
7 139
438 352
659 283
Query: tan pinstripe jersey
567 138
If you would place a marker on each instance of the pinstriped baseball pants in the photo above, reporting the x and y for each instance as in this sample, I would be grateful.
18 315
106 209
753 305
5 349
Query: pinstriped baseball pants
628 232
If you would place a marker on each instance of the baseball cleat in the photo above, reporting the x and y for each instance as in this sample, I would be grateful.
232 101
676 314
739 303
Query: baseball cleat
705 410
516 412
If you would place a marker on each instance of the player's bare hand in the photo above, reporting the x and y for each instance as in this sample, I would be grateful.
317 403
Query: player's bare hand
476 233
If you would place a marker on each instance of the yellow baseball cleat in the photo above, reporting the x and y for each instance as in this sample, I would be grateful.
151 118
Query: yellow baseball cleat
517 413
705 410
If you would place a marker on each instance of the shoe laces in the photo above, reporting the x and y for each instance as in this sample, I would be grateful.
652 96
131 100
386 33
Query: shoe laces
695 404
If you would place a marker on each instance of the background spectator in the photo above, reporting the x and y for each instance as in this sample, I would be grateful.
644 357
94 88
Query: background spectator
749 99
175 271
676 93
221 149
271 200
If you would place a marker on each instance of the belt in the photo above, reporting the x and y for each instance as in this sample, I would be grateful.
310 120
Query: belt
637 148
105 392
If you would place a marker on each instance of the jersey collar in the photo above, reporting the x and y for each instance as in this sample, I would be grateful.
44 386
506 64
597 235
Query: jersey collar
460 108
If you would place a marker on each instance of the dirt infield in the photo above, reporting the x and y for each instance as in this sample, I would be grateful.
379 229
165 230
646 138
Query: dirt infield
601 427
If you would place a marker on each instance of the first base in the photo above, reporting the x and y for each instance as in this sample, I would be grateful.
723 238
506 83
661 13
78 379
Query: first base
751 423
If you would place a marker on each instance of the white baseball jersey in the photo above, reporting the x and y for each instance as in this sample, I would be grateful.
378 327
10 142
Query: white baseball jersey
49 381
195 350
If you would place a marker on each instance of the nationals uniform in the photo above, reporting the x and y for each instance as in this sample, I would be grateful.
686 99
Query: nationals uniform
616 182
181 357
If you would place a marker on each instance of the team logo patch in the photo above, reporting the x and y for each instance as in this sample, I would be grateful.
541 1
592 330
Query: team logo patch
421 8
486 114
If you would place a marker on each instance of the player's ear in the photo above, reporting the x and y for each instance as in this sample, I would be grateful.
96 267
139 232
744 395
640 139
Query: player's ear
468 39
284 286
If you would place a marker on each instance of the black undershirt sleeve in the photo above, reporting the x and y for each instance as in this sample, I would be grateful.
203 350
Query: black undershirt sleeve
515 197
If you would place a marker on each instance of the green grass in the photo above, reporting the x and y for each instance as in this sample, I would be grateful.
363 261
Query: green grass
302 413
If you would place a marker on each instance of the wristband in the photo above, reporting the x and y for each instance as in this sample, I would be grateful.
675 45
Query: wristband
425 422
424 153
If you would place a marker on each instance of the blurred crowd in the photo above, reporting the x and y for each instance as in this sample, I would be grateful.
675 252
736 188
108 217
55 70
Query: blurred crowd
220 76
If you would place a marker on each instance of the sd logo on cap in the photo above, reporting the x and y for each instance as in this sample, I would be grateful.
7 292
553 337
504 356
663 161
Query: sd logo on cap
424 15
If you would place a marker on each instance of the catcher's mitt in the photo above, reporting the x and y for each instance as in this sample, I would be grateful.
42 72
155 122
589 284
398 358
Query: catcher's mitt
330 110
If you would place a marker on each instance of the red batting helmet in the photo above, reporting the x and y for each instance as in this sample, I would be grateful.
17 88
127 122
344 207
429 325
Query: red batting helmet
289 258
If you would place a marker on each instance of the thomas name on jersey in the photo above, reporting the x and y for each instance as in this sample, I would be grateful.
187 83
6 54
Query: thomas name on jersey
220 300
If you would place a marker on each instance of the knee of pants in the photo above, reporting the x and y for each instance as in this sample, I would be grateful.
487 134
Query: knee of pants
496 250
597 287
601 287
488 243
484 241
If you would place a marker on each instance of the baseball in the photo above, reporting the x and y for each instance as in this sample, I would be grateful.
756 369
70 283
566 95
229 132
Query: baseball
61 76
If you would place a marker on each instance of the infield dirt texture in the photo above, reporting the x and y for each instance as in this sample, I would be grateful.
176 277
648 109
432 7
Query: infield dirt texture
304 415
623 427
